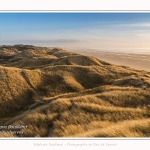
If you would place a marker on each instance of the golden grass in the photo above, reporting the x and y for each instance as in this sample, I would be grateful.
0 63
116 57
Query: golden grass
7 135
127 98
57 93
133 128
15 92
68 117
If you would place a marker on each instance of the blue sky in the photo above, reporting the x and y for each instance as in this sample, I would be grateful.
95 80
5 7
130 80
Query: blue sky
104 31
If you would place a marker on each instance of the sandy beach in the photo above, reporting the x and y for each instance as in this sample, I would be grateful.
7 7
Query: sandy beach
136 61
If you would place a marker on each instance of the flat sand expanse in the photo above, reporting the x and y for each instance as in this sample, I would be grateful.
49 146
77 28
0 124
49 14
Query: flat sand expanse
136 61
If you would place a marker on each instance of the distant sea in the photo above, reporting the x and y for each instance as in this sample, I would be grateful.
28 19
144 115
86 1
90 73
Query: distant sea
133 51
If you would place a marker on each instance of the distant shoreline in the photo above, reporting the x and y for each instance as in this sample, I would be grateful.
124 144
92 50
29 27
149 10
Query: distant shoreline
131 59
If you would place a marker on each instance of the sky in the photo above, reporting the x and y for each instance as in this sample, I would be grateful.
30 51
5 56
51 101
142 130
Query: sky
73 30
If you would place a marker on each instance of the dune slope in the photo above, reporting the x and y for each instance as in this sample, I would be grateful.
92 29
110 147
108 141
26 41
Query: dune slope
51 92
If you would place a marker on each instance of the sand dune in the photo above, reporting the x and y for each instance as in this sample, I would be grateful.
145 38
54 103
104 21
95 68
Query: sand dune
52 92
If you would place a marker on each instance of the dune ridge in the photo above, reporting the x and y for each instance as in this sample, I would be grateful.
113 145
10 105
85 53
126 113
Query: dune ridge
58 93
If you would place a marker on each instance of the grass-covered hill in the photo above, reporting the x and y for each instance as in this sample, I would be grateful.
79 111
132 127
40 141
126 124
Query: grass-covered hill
57 93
